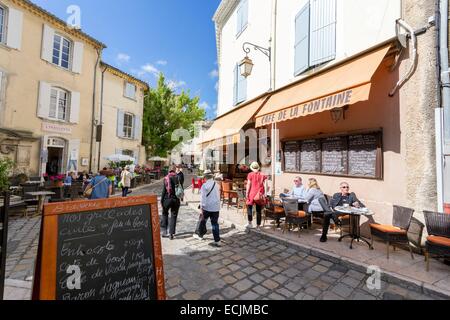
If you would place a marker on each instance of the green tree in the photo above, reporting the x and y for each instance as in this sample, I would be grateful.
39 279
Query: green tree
164 112
6 165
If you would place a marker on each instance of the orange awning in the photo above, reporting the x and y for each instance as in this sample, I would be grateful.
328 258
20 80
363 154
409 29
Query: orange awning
343 85
226 129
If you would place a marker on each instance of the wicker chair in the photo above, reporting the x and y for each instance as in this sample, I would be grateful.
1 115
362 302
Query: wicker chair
397 233
241 201
438 240
228 193
294 217
273 210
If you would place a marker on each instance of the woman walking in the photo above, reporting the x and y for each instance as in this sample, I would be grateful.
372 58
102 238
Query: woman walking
125 180
256 190
169 201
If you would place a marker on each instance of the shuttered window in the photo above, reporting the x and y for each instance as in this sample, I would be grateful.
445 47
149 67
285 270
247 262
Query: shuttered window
130 90
128 125
62 48
240 86
242 17
2 24
59 102
315 35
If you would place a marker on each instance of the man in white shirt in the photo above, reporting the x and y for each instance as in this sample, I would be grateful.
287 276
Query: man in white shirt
298 191
210 206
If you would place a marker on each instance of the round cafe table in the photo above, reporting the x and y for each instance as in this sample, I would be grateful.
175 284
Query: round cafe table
355 228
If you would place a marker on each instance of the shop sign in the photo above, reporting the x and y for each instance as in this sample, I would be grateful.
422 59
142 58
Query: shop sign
56 128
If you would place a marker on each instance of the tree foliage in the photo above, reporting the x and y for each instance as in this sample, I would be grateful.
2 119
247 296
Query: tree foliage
164 112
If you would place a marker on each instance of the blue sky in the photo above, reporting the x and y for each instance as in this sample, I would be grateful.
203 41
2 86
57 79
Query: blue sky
143 37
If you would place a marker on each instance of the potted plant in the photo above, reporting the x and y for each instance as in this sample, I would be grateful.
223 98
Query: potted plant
58 180
6 165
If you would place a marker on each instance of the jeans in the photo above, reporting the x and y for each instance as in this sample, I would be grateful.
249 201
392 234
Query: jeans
169 225
258 214
214 223
125 191
72 164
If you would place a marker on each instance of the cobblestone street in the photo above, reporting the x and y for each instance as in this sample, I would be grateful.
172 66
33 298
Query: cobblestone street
248 266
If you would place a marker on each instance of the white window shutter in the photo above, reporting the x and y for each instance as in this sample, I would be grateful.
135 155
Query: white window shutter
47 43
77 63
15 23
137 127
323 31
136 157
74 107
44 99
120 115
301 46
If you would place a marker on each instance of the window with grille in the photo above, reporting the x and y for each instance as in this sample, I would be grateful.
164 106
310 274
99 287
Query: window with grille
59 102
62 49
128 120
129 153
2 24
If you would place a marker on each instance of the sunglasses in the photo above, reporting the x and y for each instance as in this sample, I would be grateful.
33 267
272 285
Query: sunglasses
345 187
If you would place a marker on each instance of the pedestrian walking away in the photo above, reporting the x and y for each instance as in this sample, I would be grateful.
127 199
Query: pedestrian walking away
125 180
256 190
210 208
100 186
170 202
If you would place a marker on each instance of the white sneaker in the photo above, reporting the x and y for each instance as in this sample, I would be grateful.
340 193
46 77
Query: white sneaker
249 226
196 236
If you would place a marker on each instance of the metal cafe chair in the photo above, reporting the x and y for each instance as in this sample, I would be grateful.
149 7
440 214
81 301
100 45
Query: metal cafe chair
397 233
438 240
273 210
294 217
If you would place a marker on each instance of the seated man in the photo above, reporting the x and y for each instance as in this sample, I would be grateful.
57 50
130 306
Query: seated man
339 199
298 191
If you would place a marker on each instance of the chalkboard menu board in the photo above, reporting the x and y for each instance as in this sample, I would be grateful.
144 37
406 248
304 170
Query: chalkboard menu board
356 155
291 157
334 155
100 250
362 155
310 156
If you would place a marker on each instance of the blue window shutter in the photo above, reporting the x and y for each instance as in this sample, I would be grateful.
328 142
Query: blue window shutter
120 115
301 48
241 16
242 87
323 31
244 13
235 86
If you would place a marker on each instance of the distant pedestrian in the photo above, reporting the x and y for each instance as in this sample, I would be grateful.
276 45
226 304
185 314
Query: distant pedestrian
210 208
170 201
125 179
100 185
180 175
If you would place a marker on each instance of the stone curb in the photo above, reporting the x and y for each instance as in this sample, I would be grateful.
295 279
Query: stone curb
387 276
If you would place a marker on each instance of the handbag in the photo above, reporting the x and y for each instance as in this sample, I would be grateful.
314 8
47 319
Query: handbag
88 192
179 191
260 197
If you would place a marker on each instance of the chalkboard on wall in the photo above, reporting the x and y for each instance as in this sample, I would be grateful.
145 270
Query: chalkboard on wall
310 156
291 157
113 244
362 155
334 156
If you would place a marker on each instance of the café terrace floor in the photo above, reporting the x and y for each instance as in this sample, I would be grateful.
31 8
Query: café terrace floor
400 268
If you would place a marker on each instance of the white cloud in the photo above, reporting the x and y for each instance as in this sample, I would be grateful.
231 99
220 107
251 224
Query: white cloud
174 84
214 74
204 105
123 58
149 68
161 62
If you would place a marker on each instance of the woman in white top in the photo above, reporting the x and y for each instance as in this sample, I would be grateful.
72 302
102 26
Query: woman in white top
126 177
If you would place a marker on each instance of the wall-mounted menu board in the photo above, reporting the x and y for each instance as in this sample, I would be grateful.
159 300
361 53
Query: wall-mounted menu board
334 156
291 158
106 249
358 155
310 155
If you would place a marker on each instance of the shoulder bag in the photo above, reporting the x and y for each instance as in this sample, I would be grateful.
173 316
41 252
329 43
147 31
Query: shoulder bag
88 192
260 197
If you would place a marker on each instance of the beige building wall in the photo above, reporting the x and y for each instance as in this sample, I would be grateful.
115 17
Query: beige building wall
24 69
115 104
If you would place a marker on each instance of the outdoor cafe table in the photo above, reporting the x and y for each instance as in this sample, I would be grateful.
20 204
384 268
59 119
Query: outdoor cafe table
355 228
41 196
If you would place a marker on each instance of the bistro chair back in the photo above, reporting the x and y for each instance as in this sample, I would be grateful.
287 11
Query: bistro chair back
241 201
196 184
273 210
438 240
397 233
228 193
76 190
294 216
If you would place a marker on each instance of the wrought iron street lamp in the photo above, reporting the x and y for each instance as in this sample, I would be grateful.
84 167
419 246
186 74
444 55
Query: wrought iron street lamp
246 65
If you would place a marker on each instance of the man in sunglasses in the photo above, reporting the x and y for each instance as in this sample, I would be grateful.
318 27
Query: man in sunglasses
345 197
298 190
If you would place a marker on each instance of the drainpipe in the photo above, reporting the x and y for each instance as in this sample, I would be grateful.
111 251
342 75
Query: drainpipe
444 111
410 72
273 50
101 116
93 110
